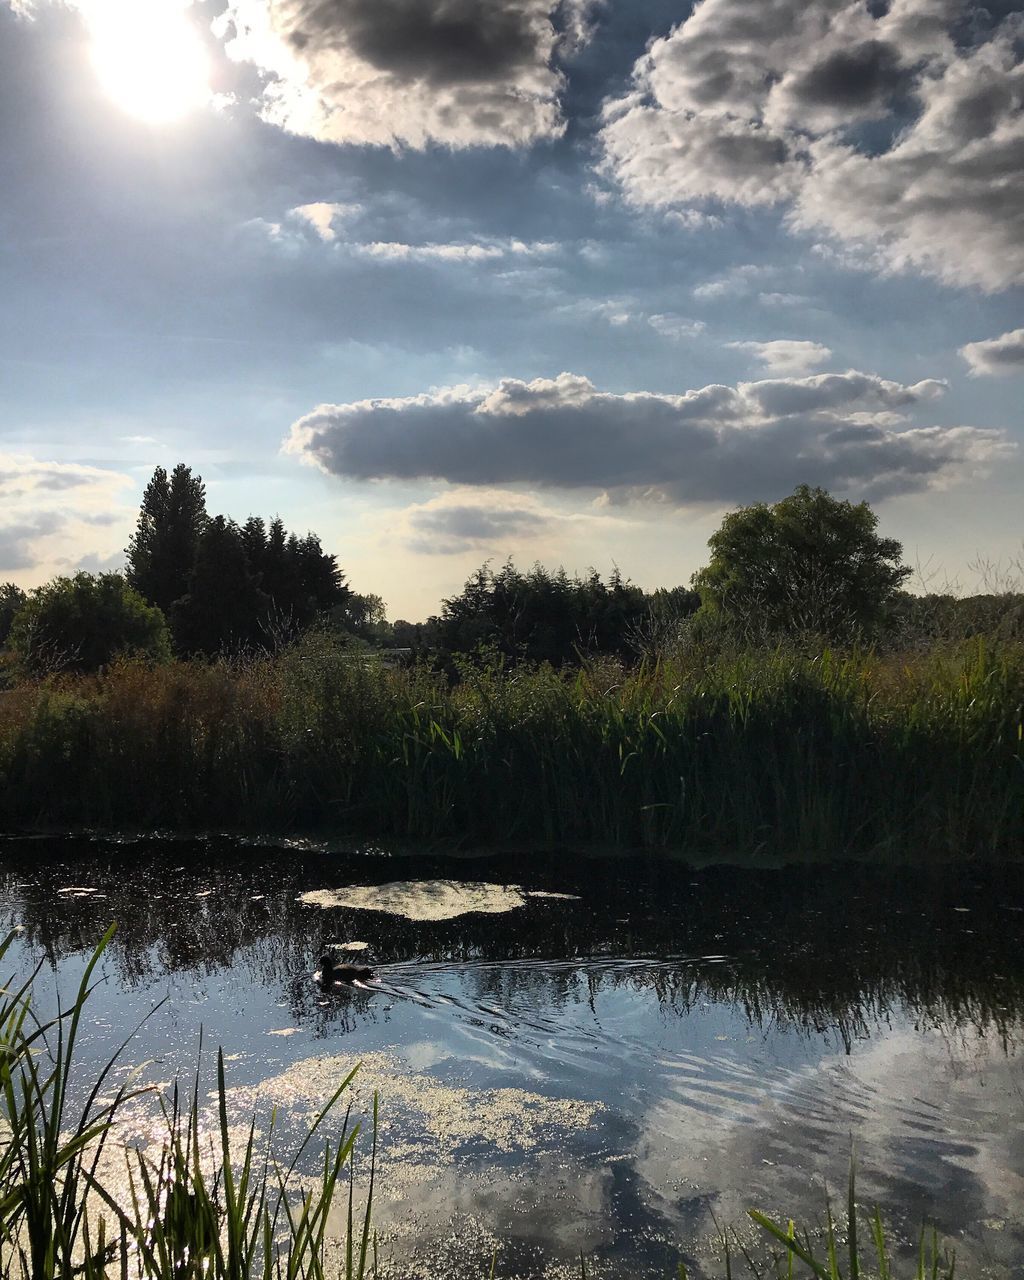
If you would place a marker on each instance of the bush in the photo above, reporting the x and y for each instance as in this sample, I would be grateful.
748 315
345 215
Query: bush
82 624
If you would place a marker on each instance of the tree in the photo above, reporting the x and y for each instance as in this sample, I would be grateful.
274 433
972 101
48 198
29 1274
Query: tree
224 610
82 623
810 563
11 599
544 616
162 551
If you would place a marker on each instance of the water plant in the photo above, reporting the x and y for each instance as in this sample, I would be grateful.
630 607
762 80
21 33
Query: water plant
796 754
197 1207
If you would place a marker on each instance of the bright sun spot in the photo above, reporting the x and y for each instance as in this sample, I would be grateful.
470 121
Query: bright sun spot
149 57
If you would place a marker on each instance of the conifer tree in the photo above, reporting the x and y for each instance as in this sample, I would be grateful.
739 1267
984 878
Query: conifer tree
162 551
224 610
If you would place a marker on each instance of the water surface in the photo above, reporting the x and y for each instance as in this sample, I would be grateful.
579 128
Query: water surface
599 1057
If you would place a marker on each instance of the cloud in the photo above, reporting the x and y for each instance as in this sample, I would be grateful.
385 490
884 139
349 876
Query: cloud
56 512
737 282
467 520
786 356
996 355
19 539
402 72
457 251
718 444
676 327
900 134
322 216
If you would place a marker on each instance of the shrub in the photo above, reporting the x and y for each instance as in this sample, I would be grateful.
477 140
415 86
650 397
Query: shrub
81 624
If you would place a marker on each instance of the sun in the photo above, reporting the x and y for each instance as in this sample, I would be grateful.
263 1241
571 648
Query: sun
149 57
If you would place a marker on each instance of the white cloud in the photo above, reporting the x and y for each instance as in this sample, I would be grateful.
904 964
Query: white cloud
54 513
845 431
761 102
676 327
458 251
786 356
783 299
322 215
1001 355
737 282
401 72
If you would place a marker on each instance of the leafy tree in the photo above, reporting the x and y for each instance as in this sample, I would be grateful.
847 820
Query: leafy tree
224 610
546 617
11 599
82 623
162 551
810 563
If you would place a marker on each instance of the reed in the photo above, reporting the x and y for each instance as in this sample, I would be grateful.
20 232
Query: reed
197 1209
821 755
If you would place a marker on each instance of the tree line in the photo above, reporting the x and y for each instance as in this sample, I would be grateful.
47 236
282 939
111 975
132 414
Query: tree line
199 586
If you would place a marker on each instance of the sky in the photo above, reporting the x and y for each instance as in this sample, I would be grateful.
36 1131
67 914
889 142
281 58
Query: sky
448 281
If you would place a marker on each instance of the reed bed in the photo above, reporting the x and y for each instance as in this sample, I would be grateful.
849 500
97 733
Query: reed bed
778 752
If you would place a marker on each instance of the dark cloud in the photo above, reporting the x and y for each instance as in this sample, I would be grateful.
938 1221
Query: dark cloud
447 527
720 443
1004 354
866 74
460 72
441 42
18 539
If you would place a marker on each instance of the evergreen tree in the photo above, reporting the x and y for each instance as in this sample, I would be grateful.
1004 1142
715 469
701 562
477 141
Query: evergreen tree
224 610
254 538
162 551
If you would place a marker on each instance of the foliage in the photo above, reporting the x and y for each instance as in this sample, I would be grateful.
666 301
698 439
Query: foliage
827 1262
541 616
83 623
162 551
226 588
776 752
224 610
933 618
302 581
11 599
810 564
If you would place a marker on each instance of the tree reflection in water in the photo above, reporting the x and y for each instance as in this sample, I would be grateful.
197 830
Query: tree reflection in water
835 949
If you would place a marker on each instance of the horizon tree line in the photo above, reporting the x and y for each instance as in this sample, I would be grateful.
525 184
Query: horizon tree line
810 566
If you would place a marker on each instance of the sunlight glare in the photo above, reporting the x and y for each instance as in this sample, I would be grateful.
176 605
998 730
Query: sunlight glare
149 58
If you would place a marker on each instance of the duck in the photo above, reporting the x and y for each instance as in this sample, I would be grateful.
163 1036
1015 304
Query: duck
334 970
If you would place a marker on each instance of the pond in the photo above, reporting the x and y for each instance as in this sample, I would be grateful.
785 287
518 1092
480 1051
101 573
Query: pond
601 1057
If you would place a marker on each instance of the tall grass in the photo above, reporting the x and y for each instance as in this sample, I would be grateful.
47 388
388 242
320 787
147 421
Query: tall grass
777 752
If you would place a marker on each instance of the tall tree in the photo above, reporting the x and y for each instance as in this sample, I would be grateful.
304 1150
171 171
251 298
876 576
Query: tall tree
162 551
224 610
810 563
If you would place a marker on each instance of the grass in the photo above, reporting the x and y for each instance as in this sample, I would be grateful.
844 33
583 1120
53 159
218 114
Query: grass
762 752
200 1208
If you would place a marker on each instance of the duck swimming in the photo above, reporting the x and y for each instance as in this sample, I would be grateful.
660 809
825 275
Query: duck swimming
334 970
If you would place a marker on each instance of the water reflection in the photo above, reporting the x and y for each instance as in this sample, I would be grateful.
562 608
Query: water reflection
725 1032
